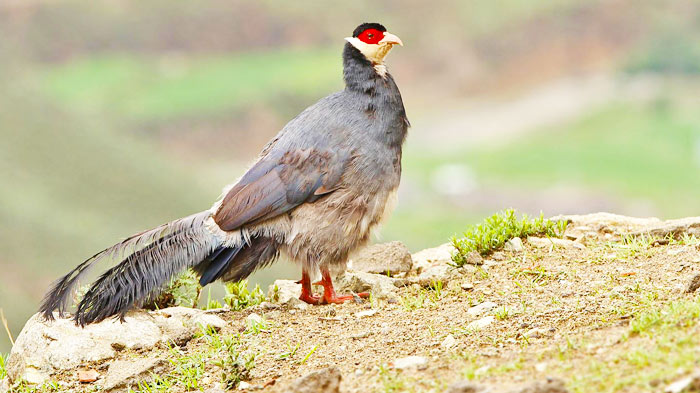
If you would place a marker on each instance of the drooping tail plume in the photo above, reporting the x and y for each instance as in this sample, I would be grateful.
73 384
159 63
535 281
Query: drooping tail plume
149 261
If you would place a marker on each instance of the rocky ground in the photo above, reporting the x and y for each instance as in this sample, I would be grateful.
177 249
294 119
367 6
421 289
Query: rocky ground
610 307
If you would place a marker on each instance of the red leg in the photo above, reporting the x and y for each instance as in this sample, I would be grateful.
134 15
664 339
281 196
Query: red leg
307 294
329 295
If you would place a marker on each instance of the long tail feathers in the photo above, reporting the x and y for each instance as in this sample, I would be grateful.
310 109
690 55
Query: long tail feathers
150 260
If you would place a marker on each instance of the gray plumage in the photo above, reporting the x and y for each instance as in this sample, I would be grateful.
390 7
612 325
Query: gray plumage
314 195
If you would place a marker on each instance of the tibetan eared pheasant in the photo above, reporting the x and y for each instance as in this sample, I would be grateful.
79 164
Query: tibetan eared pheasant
314 194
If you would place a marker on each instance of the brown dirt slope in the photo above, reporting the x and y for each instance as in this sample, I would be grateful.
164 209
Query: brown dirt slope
606 309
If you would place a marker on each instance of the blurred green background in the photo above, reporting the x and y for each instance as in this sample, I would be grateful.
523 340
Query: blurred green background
117 116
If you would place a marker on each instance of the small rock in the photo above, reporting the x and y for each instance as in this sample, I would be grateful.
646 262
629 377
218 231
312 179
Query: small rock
359 336
467 286
687 384
481 323
366 313
483 369
448 342
536 333
326 380
434 274
122 374
243 385
694 284
541 367
417 362
433 256
389 258
269 306
286 292
33 376
181 324
515 245
481 308
551 385
87 376
466 387
46 347
474 258
253 319
379 285
498 256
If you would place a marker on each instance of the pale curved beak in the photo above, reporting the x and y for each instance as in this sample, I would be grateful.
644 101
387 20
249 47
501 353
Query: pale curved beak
391 39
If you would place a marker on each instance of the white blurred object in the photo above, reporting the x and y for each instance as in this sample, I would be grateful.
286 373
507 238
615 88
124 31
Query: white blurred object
453 180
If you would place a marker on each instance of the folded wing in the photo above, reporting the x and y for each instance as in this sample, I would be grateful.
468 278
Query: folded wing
278 183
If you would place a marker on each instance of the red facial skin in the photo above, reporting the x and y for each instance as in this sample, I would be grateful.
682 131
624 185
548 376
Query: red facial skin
371 36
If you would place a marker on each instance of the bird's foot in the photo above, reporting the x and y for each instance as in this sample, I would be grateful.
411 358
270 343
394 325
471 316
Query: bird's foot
310 298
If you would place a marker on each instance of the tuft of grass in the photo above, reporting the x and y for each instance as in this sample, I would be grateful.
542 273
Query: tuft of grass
238 296
681 313
666 342
290 352
502 313
3 365
222 351
412 302
496 230
182 291
308 355
393 381
255 327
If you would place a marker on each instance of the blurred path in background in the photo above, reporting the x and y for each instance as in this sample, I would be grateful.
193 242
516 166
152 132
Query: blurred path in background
497 120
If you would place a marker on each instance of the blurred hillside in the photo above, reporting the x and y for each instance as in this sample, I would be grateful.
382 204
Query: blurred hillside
118 116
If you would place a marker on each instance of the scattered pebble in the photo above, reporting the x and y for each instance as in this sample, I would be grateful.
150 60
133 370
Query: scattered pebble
360 335
366 313
694 284
482 308
253 318
474 258
326 380
243 385
448 342
466 387
417 362
481 323
515 245
87 376
682 385
482 370
498 256
536 333
551 385
467 286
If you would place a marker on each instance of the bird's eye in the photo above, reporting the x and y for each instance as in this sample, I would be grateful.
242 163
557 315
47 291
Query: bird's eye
371 36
